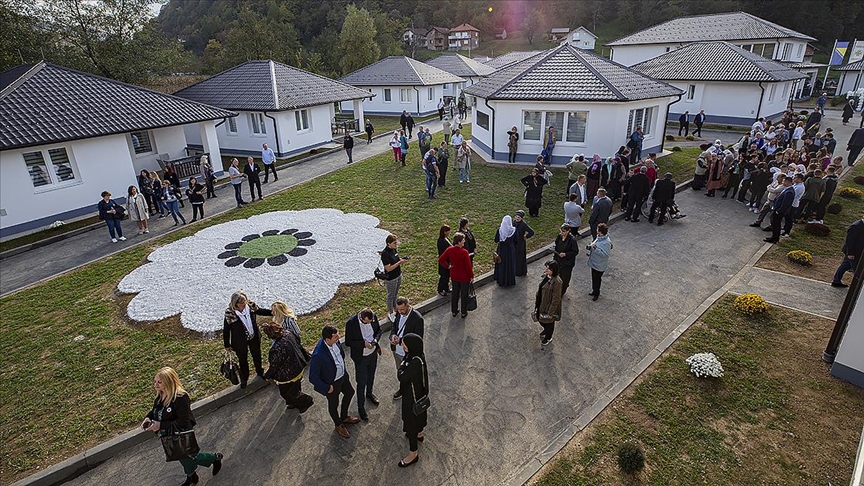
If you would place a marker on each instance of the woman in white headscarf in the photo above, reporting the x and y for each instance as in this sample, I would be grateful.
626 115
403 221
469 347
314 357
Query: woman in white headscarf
396 145
505 254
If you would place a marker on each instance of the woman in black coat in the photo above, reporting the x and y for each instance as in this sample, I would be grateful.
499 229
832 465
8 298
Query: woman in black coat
443 273
240 333
505 237
533 191
523 232
413 384
195 193
287 360
172 414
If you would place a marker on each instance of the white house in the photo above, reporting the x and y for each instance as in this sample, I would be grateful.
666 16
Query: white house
581 38
464 67
733 86
289 109
759 36
851 77
557 34
400 84
593 104
67 136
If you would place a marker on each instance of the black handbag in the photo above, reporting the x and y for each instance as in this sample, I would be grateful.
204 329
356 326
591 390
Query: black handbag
182 445
472 298
229 369
422 404
380 274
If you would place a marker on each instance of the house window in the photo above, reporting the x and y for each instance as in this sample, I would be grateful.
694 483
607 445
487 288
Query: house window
576 123
431 94
555 119
447 87
642 117
691 92
301 118
569 126
800 53
787 51
668 49
232 126
532 125
141 142
404 95
37 167
387 96
772 92
482 120
256 122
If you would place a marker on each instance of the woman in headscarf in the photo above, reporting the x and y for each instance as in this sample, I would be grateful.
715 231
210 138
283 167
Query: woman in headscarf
533 191
523 232
505 237
414 385
593 176
396 145
287 360
715 174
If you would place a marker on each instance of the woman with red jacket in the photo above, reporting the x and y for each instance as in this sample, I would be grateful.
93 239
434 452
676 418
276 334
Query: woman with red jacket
456 259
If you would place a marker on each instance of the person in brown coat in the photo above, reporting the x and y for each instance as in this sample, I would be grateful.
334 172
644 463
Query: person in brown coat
547 303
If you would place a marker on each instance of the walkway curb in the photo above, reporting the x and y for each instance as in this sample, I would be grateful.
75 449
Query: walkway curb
536 463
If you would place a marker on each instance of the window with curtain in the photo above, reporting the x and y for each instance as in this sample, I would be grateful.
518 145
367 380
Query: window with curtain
532 125
577 121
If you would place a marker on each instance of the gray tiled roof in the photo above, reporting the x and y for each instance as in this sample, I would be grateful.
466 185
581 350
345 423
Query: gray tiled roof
715 61
852 66
731 26
566 73
399 71
459 65
510 58
250 86
49 104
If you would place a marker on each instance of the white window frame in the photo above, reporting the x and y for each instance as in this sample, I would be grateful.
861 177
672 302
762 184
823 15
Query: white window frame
257 125
150 139
800 55
387 96
301 121
404 95
231 126
786 52
431 94
561 134
647 128
772 92
691 93
51 176
477 119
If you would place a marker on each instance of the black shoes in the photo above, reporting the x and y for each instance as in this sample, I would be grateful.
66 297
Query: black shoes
217 464
545 341
397 395
373 399
770 240
363 415
193 479
406 464
755 225
464 315
839 285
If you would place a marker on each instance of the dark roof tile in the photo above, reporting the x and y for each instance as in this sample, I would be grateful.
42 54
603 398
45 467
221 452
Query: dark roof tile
399 71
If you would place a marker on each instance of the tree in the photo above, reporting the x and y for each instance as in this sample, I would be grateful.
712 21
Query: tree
256 36
389 34
532 24
357 40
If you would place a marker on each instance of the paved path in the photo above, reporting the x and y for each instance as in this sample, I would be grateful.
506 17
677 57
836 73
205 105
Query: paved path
791 291
35 265
499 399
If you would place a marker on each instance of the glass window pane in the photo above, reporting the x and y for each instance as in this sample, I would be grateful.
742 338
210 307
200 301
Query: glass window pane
555 119
648 121
576 121
141 142
232 125
482 120
387 96
36 167
62 166
297 121
630 126
531 127
261 122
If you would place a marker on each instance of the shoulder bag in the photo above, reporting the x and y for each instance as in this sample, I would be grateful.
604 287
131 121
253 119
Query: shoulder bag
472 299
495 256
180 445
422 404
229 369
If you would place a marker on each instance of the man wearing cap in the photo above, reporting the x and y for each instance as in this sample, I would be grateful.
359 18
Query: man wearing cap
637 192
664 196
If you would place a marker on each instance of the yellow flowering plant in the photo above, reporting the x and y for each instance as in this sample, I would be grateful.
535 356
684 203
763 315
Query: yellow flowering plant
800 257
751 304
851 193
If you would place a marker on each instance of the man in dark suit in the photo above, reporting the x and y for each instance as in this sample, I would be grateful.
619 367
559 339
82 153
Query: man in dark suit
252 172
684 123
638 191
362 332
856 143
240 334
664 196
600 211
782 206
853 249
566 248
699 120
329 377
407 321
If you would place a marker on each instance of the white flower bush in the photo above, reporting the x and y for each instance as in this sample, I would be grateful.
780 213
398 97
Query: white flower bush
57 224
705 365
299 257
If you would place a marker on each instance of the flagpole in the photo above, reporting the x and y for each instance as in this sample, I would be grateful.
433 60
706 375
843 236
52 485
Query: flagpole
828 69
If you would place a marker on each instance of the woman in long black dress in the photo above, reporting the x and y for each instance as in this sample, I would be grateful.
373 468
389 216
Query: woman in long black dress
413 384
533 191
523 232
505 272
443 273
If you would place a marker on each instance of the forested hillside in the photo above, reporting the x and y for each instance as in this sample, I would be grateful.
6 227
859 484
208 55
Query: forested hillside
124 41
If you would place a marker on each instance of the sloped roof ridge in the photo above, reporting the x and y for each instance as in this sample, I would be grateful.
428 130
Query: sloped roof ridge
579 52
254 61
35 68
521 74
413 67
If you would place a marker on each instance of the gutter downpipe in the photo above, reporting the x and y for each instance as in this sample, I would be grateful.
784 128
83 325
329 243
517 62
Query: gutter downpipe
492 138
666 122
761 97
275 133
221 122
418 100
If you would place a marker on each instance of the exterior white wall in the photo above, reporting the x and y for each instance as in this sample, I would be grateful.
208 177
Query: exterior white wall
581 39
730 103
849 362
848 80
99 164
244 142
605 132
378 106
170 140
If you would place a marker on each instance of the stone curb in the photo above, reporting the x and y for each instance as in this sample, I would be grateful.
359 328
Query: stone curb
89 459
527 471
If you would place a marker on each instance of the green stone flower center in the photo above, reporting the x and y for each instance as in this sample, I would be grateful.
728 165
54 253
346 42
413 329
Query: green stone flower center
267 246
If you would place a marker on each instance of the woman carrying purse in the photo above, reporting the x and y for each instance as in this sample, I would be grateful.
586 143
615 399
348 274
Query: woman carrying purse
547 303
172 415
414 386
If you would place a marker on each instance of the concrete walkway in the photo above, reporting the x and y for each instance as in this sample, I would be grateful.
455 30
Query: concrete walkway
798 293
28 268
499 400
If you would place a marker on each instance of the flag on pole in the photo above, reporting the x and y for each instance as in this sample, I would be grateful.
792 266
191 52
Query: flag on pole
839 52
857 51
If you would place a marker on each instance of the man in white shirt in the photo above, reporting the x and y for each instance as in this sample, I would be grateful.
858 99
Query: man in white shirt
456 139
440 109
329 377
578 189
362 332
269 159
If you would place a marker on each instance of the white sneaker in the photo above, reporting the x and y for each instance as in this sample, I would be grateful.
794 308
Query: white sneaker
784 235
812 221
146 231
820 221
122 238
113 240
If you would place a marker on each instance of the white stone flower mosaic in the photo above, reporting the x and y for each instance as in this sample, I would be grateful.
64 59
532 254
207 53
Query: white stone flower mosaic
299 257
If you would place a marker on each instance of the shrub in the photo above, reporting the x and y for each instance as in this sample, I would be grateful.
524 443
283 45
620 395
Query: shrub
670 138
751 304
851 193
705 365
690 137
835 208
705 146
800 257
859 180
676 149
817 229
631 457
838 100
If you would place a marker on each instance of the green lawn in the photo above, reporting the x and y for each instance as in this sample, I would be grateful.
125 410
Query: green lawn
385 124
767 418
48 232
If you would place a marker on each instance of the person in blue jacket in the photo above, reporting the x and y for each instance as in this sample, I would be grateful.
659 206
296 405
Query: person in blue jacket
329 376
